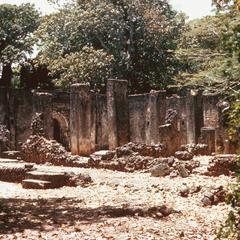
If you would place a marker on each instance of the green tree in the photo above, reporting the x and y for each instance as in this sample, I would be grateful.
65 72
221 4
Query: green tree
139 37
17 24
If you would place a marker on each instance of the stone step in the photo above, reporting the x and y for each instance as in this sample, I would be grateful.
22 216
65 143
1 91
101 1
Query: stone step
10 154
6 160
57 179
36 184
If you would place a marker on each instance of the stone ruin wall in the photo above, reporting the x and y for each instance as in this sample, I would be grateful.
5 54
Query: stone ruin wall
89 121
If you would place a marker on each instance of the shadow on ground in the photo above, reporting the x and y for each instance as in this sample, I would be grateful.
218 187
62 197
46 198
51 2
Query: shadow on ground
16 215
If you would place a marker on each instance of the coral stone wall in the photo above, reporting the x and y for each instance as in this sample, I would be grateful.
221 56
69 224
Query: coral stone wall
84 121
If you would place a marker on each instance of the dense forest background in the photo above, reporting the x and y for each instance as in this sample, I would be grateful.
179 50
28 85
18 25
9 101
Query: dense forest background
146 42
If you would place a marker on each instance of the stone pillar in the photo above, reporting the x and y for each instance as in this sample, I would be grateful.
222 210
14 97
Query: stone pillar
208 137
42 103
82 120
155 115
118 115
194 116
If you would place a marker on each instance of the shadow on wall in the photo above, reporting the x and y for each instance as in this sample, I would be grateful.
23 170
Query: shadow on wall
61 129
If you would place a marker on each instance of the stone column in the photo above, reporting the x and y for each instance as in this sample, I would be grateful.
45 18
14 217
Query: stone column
42 103
194 116
118 115
208 137
155 115
82 120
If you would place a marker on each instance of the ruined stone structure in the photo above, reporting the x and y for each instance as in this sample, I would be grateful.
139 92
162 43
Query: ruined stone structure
85 121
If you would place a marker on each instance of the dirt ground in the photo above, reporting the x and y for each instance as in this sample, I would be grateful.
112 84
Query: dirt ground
97 212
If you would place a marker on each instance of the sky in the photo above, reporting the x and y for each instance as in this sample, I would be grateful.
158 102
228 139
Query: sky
193 8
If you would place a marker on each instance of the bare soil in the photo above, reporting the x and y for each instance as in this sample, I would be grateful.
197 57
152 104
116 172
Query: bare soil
99 211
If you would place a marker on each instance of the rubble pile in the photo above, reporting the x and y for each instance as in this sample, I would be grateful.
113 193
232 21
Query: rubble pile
223 165
4 138
173 167
38 149
195 149
83 180
140 157
155 151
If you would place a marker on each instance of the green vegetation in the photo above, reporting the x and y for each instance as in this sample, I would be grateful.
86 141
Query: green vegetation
17 24
131 40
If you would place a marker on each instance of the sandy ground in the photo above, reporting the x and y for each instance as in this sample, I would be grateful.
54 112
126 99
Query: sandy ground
73 212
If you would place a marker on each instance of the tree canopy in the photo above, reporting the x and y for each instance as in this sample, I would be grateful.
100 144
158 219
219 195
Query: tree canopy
134 40
17 24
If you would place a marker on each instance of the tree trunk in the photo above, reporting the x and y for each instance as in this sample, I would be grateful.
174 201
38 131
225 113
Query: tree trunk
6 76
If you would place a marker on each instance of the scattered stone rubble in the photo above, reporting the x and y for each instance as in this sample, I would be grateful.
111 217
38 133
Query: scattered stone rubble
223 164
40 150
215 196
195 149
140 157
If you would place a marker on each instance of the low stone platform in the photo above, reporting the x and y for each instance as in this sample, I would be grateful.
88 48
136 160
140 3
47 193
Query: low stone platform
36 184
10 154
51 179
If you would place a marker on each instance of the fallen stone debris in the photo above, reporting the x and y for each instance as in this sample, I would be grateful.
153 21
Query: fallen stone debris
183 195
40 150
223 164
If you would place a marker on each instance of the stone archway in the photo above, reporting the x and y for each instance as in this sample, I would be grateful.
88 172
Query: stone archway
61 129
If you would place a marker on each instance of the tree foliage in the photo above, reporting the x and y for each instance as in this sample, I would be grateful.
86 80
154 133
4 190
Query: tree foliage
17 24
210 51
139 36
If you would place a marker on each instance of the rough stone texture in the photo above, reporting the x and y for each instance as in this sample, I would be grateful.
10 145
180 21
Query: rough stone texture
155 151
38 149
194 115
223 164
82 120
118 113
214 197
47 179
43 103
37 124
13 173
195 149
160 170
36 184
183 155
182 170
208 137
140 157
169 132
11 155
4 138
101 122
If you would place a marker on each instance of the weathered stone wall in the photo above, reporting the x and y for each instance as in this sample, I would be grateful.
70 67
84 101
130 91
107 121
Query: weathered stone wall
82 120
146 113
210 110
137 117
118 113
3 106
179 104
20 116
101 122
85 121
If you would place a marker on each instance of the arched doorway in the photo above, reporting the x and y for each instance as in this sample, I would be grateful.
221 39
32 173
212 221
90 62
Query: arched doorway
60 129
